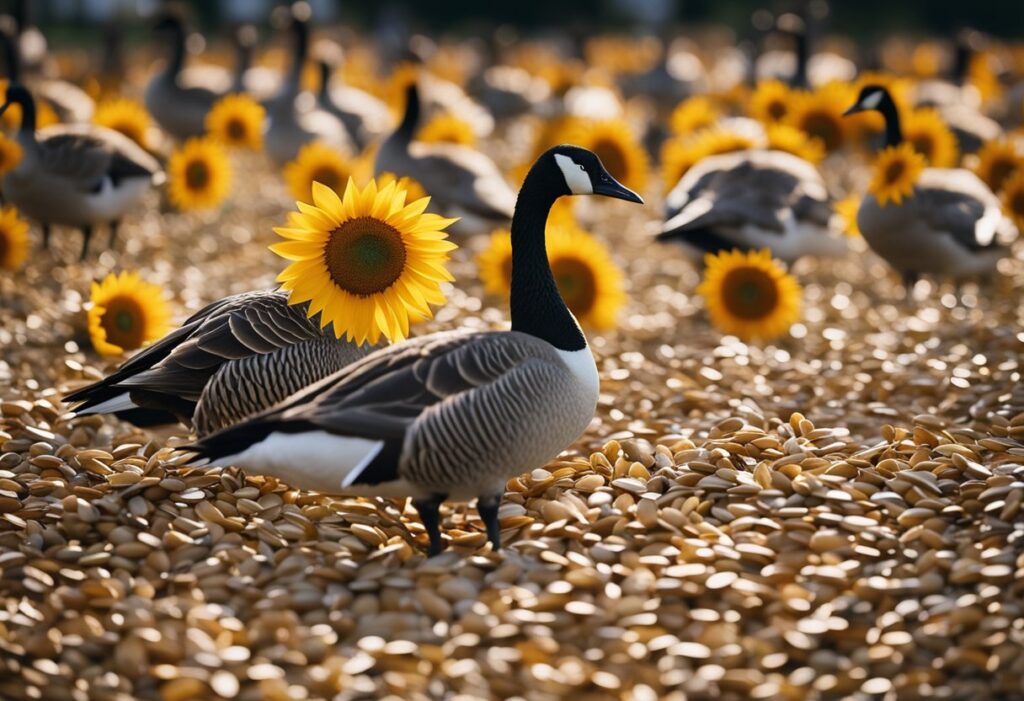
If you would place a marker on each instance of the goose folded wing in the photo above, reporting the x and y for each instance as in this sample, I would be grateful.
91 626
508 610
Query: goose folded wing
961 205
464 177
88 157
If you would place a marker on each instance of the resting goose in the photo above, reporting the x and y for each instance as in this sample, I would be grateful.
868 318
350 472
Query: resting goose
751 200
75 175
461 181
178 100
293 119
234 358
365 117
952 224
451 414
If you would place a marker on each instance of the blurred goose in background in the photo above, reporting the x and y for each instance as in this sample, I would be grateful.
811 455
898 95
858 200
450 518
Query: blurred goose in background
293 117
68 101
802 67
461 181
259 82
232 359
31 43
179 99
75 175
507 91
366 118
952 224
751 200
426 418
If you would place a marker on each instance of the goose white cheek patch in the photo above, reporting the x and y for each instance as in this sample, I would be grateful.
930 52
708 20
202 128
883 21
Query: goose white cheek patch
575 176
873 100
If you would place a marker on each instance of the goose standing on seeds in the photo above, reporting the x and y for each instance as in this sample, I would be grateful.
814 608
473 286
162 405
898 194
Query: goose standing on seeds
950 224
461 181
451 414
75 175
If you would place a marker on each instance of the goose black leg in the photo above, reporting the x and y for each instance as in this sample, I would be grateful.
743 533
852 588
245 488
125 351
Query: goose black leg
430 513
909 282
86 235
46 236
113 234
488 508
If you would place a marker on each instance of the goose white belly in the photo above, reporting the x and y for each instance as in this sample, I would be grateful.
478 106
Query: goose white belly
55 200
797 239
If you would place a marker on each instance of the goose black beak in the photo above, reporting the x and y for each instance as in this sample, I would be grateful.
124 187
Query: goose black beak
4 107
610 187
853 110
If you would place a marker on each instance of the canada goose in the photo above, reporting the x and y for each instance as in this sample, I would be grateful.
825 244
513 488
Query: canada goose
75 175
365 117
751 200
293 119
450 414
68 101
803 67
462 181
178 100
234 358
952 224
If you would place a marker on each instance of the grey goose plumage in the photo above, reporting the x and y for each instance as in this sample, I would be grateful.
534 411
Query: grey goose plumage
75 175
952 224
233 358
366 118
461 181
451 414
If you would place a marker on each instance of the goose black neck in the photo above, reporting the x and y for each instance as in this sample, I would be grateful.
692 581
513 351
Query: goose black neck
962 60
893 133
243 59
300 35
177 48
12 60
537 307
411 116
325 80
28 111
802 49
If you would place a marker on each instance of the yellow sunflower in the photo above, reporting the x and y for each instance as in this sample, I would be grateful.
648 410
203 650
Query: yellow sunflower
447 128
125 313
317 163
13 239
930 137
769 103
10 154
894 173
819 113
587 277
846 210
367 262
926 60
749 295
982 73
413 189
692 114
199 175
782 137
680 154
1013 198
614 143
237 120
126 116
997 161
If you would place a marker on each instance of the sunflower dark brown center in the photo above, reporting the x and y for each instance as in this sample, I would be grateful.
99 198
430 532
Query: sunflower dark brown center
1016 203
576 282
749 293
612 157
777 110
365 256
924 144
895 170
331 177
1000 170
5 245
825 127
124 322
236 129
197 175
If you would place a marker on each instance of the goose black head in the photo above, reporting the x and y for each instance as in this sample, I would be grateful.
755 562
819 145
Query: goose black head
584 174
170 22
871 97
17 94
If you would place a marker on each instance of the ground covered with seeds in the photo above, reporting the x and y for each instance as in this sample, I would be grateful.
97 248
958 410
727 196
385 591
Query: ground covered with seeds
835 515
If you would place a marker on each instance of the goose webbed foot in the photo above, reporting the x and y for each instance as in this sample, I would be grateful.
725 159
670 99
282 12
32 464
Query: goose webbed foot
488 507
430 514
86 235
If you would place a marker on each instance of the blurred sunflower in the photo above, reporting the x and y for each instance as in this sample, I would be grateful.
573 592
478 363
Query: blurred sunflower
199 175
846 210
614 143
983 74
997 161
126 313
680 154
926 60
447 128
126 116
587 277
783 137
367 262
392 90
749 295
237 120
1013 198
692 114
769 103
10 154
894 173
930 137
13 239
819 113
317 163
